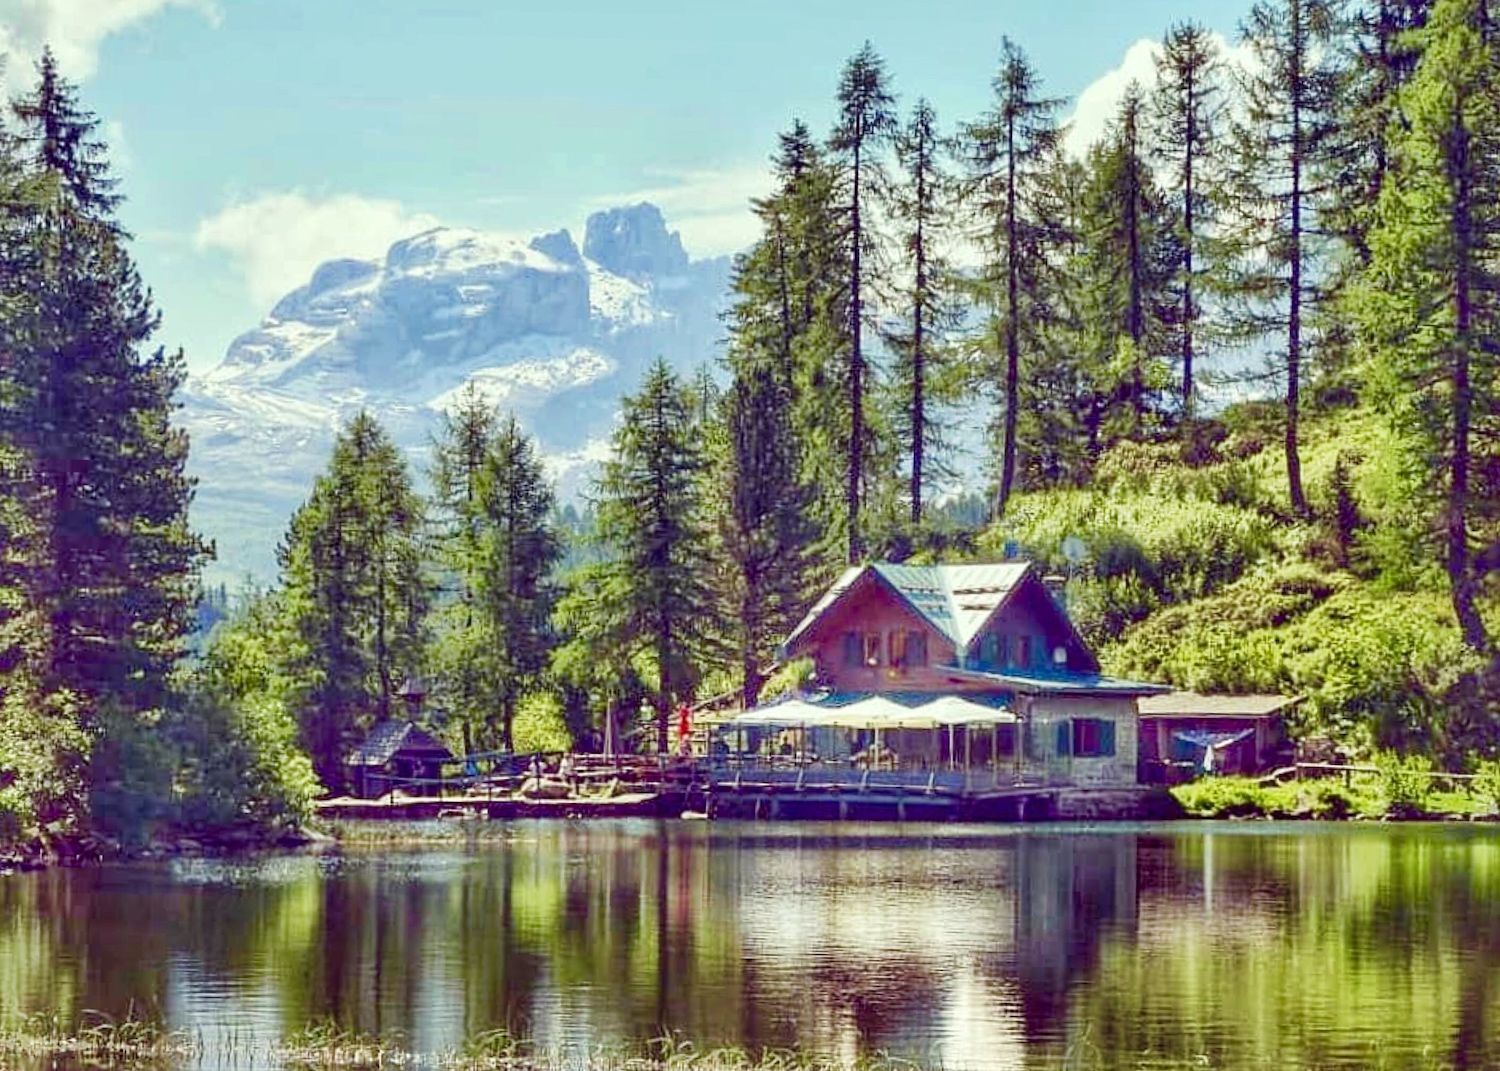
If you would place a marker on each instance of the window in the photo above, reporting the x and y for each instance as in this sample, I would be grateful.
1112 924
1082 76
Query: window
1093 738
1023 652
896 647
907 648
872 649
1002 652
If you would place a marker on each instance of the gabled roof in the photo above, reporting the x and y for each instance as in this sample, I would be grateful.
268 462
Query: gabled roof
1194 705
956 600
393 735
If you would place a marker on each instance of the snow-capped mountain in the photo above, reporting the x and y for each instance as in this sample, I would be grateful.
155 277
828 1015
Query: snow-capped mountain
551 332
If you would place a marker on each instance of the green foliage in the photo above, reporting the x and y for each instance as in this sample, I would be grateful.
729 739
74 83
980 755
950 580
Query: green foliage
541 724
649 517
354 593
1148 546
789 678
1245 797
1486 784
497 549
1405 783
243 760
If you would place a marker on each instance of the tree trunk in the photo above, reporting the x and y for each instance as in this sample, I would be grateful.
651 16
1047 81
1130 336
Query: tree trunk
1012 340
1294 316
918 370
856 376
1190 128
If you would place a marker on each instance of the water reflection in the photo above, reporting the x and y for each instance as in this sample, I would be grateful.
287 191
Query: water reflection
1245 947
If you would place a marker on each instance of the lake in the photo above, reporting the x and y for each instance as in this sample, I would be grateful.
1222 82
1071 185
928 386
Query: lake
1223 945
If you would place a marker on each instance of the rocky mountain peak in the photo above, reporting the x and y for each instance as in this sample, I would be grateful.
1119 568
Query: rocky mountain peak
633 241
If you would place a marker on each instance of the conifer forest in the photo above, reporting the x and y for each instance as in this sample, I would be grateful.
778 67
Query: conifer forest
1244 351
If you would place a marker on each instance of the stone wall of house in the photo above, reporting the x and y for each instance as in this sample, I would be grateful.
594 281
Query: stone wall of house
1045 712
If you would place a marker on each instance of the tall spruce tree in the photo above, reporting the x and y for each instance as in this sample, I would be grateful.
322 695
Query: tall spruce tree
649 518
866 123
1428 303
1379 56
352 577
1011 152
519 552
1282 148
921 206
764 529
459 454
1188 109
87 420
1130 249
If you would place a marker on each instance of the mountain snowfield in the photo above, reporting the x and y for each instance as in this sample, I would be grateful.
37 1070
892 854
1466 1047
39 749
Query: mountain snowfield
547 331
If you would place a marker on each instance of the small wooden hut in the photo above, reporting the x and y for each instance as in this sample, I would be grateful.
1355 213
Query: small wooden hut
397 750
1185 734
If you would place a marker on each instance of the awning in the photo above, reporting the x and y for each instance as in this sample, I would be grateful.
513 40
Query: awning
956 710
877 712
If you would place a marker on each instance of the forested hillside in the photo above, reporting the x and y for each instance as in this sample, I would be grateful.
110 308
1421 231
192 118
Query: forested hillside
1243 351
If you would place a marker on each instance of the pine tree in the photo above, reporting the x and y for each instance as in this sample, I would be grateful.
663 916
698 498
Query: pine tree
86 418
1379 58
1130 245
1188 112
921 206
866 122
1428 304
649 517
1282 148
1010 153
789 311
352 577
459 455
519 552
763 527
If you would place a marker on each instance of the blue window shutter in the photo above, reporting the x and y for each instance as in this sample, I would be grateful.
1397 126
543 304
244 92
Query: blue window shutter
1106 737
1064 739
853 654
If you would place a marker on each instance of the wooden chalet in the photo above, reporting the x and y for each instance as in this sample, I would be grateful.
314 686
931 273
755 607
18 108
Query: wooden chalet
397 754
967 678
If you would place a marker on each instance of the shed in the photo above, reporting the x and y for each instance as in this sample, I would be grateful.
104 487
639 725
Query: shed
394 750
1186 733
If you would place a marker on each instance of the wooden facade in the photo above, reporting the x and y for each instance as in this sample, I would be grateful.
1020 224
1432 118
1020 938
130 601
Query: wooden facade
994 633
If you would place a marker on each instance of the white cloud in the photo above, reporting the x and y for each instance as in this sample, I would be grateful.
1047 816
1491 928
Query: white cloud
710 206
1100 99
74 29
277 239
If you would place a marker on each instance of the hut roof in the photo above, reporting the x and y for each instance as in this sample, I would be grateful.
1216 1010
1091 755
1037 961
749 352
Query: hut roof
394 736
1194 705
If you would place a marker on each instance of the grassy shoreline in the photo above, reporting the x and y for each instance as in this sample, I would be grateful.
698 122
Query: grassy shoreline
1383 797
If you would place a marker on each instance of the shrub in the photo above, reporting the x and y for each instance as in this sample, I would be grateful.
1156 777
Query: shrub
1405 783
1486 784
540 724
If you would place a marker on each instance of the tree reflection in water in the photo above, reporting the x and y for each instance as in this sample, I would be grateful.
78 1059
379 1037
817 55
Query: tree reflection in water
1251 947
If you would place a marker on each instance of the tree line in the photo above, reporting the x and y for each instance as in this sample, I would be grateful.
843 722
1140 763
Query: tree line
1319 221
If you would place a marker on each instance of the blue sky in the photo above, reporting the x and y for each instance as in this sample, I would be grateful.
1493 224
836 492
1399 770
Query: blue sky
258 137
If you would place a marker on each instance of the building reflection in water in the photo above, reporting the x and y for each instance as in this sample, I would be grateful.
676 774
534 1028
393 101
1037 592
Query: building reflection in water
964 946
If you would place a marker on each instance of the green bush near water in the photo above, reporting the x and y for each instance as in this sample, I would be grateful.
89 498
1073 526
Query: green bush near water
1247 797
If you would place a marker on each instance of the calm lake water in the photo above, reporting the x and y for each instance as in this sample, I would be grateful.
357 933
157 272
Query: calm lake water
1216 945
